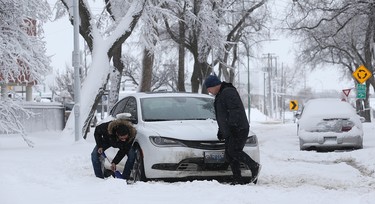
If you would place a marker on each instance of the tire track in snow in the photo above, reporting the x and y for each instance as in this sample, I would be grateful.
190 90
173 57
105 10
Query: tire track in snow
364 181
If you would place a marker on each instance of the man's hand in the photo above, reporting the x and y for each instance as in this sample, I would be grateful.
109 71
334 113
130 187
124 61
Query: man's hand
100 150
220 136
113 167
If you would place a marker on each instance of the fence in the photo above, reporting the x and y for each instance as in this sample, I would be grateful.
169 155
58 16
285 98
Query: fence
49 116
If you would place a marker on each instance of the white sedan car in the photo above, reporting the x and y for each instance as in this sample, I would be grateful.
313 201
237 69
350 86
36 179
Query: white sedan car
177 137
329 124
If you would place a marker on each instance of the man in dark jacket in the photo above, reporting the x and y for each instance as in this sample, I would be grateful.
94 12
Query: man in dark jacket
120 134
233 126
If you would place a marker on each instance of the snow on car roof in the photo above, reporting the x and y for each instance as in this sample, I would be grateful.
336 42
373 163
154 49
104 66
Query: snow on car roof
328 106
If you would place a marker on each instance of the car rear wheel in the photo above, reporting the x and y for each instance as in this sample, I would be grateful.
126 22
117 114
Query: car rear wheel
138 171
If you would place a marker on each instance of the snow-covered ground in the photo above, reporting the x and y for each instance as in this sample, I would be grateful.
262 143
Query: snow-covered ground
58 170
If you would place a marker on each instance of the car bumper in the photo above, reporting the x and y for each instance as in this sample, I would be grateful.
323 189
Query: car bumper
330 141
188 162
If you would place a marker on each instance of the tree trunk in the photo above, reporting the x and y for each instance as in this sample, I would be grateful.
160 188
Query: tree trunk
181 59
200 72
147 63
115 78
86 124
195 77
368 64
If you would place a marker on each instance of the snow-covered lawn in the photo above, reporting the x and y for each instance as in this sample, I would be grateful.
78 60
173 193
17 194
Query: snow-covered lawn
58 170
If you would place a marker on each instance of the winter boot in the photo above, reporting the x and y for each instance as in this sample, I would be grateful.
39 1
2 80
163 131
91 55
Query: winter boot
255 173
238 180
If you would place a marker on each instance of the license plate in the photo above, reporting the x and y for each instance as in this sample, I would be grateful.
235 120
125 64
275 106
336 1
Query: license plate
214 157
330 138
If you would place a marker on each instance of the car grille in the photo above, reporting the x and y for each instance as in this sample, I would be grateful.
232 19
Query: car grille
195 164
206 145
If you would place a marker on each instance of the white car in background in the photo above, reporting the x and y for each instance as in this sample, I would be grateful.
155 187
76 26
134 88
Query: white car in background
329 124
177 137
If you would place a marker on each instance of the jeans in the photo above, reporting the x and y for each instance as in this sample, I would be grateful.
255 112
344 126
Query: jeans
129 164
98 163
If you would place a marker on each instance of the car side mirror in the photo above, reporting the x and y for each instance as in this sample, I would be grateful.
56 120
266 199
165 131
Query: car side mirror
363 119
133 120
127 116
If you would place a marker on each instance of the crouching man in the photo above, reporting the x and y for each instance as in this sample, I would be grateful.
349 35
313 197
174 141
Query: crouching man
120 134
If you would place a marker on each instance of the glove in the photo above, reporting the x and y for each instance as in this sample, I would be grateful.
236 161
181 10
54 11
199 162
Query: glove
220 136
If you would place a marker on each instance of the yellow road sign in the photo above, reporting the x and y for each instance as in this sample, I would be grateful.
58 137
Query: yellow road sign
362 74
293 105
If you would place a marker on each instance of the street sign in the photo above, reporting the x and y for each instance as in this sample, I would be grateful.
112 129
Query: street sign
362 74
361 91
346 92
293 105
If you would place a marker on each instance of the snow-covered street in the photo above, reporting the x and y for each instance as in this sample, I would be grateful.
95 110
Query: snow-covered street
154 64
58 170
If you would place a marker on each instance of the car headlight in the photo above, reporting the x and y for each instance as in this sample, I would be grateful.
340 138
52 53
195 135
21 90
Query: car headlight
165 142
252 140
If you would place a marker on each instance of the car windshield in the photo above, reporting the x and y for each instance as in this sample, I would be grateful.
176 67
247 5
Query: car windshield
177 108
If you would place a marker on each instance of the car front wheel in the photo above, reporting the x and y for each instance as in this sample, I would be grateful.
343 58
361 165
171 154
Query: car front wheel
138 171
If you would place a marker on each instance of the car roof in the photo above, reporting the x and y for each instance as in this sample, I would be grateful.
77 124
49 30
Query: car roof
166 94
324 106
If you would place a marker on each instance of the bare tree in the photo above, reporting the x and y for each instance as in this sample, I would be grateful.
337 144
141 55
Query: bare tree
211 28
64 82
336 32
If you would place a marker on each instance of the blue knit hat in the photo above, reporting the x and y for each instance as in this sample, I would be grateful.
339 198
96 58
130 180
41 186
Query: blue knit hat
212 81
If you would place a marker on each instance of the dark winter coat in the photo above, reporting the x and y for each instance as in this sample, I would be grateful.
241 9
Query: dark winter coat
105 138
230 112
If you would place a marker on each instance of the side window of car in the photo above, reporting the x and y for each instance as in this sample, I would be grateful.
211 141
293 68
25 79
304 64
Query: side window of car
131 107
119 107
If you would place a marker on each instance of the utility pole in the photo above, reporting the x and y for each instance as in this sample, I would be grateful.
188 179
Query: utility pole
248 84
276 90
264 94
270 95
282 90
270 76
76 65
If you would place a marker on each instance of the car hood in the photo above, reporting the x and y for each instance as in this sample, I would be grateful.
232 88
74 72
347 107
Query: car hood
184 130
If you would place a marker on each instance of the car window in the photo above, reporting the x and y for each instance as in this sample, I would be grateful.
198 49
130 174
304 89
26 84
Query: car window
119 107
131 107
177 108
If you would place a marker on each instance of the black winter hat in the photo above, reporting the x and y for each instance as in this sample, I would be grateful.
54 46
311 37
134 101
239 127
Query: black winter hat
211 81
